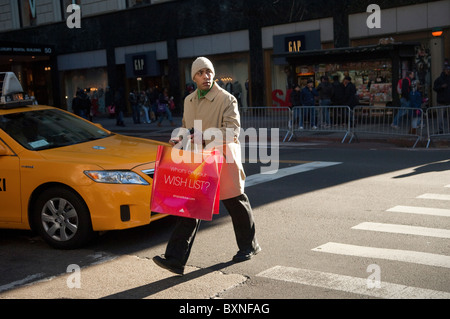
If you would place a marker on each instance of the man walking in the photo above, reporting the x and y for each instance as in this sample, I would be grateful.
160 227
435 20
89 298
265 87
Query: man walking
217 109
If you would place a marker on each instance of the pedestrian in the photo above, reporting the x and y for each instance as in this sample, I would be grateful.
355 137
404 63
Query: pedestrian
325 90
295 100
101 101
163 107
85 110
77 103
442 87
405 89
217 109
350 97
109 102
94 104
135 108
119 106
153 95
307 97
415 100
337 99
144 106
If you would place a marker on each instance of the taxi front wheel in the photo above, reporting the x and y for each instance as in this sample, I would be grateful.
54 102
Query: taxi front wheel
62 219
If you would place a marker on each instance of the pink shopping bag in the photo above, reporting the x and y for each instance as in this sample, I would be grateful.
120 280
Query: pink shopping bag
186 183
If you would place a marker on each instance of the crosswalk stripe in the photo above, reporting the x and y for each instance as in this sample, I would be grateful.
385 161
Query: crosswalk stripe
435 196
404 229
420 210
350 284
283 172
447 185
386 253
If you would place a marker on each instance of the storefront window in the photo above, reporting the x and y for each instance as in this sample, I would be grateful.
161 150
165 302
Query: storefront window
93 81
373 79
283 80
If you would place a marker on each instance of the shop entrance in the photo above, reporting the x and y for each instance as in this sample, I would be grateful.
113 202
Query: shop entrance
34 67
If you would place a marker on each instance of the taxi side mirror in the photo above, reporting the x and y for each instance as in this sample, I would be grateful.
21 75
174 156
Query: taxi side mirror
4 150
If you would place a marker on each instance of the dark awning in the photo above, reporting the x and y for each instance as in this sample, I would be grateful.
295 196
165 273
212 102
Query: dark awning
400 50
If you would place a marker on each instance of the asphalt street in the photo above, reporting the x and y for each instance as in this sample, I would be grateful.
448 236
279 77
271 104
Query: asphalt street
335 221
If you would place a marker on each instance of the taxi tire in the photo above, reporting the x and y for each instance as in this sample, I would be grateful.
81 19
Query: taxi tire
83 233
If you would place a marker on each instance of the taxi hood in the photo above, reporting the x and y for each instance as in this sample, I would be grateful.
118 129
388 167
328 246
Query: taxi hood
113 152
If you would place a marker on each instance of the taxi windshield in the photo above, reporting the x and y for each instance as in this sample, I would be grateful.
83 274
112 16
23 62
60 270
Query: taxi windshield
49 128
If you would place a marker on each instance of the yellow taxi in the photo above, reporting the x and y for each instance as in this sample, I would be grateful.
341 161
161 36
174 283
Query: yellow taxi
67 178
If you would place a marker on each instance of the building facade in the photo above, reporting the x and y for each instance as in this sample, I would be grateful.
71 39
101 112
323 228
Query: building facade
260 48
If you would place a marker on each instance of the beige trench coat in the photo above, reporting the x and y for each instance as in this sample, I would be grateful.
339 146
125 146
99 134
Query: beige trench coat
218 110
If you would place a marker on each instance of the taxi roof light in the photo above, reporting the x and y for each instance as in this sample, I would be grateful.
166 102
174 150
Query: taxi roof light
11 92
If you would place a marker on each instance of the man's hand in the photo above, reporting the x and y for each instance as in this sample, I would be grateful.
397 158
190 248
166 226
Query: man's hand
196 136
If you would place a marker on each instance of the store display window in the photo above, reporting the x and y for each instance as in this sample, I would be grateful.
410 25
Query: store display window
373 79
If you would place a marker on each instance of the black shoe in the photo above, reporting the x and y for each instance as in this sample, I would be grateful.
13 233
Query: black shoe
246 255
169 264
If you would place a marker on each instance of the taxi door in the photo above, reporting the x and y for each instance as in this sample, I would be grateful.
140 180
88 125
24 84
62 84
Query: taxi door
10 207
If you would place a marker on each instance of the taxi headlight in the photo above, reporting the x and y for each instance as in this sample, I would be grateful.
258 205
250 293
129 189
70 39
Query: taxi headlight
116 177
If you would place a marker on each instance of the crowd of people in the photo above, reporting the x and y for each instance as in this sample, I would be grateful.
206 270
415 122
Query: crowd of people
146 106
153 106
335 93
344 93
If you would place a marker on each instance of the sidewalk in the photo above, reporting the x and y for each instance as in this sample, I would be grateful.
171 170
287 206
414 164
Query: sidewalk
162 133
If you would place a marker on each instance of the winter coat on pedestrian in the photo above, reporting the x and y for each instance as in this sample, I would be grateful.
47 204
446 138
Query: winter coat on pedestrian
295 98
307 96
218 111
442 88
338 93
325 90
350 97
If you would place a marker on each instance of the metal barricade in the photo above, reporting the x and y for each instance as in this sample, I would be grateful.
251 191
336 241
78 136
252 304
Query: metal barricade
266 117
330 119
384 120
438 122
375 120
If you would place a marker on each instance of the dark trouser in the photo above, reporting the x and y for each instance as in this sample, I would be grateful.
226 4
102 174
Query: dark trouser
180 243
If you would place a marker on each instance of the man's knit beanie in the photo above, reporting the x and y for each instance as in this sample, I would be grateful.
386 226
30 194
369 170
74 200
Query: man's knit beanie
201 63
